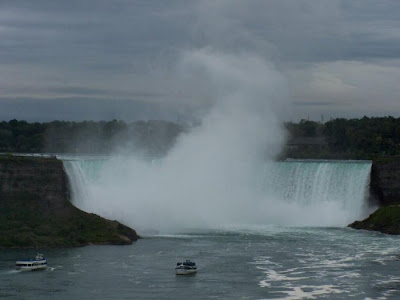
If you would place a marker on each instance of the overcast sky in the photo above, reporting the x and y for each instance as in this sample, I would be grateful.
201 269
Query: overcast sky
101 59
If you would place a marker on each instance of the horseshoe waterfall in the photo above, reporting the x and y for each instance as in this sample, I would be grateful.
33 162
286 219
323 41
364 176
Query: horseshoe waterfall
151 196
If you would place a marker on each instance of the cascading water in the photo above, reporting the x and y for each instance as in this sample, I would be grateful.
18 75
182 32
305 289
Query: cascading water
342 186
81 174
221 172
293 193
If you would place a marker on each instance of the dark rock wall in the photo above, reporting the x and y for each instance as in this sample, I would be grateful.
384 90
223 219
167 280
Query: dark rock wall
385 181
35 210
45 178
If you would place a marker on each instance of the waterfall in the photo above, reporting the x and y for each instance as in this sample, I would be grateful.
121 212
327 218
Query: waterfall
293 193
82 174
311 183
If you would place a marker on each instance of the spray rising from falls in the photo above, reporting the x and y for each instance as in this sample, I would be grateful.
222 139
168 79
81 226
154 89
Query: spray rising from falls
220 172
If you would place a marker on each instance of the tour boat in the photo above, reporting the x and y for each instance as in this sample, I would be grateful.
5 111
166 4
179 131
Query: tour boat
185 268
38 263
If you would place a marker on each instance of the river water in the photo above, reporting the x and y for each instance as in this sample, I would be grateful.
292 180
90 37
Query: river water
264 262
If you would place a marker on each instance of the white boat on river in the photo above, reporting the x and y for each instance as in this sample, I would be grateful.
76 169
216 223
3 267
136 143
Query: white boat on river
185 268
38 263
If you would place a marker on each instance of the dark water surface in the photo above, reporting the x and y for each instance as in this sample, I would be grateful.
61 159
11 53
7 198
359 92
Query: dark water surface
261 263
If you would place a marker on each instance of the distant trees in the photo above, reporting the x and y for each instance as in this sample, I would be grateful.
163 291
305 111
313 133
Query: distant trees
21 136
305 128
364 138
152 138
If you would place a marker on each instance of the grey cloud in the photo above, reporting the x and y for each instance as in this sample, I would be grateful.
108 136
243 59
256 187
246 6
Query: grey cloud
80 108
312 103
107 92
294 30
128 49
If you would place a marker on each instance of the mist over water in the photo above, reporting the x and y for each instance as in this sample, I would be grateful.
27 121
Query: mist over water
209 177
215 174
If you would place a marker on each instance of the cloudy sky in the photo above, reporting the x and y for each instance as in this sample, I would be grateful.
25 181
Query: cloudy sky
101 59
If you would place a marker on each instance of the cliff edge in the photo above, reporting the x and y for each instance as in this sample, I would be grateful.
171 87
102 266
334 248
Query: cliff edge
35 210
385 188
385 180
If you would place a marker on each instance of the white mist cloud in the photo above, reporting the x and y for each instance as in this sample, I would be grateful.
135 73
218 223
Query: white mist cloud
210 177
248 96
222 173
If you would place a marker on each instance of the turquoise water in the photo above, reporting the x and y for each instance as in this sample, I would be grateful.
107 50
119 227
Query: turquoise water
253 263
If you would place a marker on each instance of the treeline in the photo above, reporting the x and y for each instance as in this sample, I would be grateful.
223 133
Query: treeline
152 138
365 138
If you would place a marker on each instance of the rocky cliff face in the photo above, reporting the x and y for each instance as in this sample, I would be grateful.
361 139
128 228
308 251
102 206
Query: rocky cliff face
385 189
385 181
35 210
43 179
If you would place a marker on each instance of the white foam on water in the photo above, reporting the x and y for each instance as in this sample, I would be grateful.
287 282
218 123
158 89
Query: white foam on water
391 280
349 275
339 263
175 236
310 292
264 283
12 271
265 260
273 275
